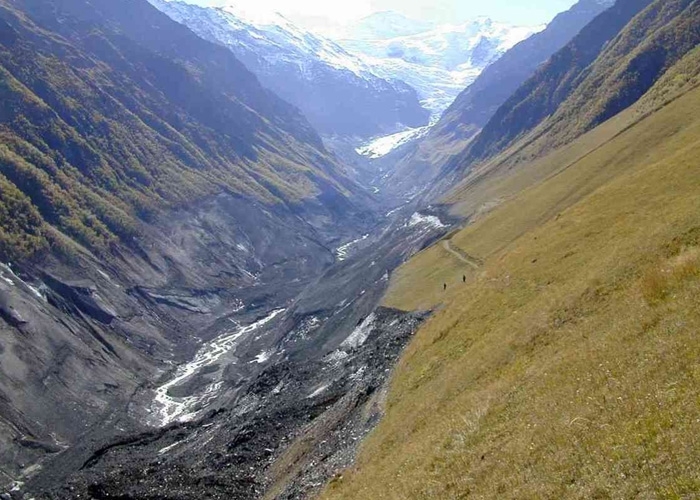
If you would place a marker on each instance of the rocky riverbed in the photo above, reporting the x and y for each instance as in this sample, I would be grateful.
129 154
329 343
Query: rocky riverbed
272 403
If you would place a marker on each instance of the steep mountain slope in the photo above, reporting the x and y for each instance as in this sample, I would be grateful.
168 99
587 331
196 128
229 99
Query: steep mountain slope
441 62
473 108
656 40
168 119
579 87
542 95
336 91
146 181
566 365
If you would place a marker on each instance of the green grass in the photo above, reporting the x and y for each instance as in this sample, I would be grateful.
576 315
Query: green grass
569 366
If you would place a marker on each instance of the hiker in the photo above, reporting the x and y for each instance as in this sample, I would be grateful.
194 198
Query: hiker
464 278
444 287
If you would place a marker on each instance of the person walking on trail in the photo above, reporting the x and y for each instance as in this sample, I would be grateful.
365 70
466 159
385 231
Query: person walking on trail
444 287
464 278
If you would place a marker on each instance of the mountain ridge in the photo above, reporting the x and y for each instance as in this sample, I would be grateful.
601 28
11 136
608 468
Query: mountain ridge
583 50
247 135
474 107
442 60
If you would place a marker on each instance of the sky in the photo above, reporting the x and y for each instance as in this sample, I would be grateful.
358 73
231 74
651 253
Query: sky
328 15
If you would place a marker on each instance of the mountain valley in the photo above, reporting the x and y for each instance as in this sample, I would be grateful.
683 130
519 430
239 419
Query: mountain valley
367 91
240 259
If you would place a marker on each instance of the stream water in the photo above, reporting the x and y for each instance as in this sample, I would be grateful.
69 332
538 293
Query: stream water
167 409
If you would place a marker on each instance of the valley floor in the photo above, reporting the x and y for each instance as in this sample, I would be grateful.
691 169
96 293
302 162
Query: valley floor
274 403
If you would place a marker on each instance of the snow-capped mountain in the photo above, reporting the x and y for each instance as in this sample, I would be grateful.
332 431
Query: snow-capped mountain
382 82
439 62
338 92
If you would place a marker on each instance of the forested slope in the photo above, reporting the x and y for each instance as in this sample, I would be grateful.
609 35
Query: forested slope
112 112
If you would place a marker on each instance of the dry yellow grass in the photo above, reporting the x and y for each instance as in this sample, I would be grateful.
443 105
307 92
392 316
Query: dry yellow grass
569 367
420 286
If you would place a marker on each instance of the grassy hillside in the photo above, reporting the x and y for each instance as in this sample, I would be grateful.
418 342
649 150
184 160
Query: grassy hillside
657 39
500 179
567 365
606 68
552 84
598 75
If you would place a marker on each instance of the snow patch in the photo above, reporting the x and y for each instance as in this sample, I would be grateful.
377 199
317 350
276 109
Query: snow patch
168 448
263 357
389 214
360 335
382 146
105 275
318 391
8 276
38 291
418 219
237 306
